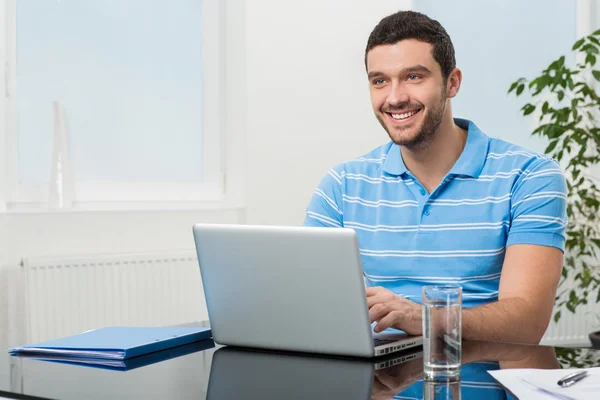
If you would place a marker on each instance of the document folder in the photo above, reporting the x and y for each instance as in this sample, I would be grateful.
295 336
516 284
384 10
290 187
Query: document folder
130 363
116 343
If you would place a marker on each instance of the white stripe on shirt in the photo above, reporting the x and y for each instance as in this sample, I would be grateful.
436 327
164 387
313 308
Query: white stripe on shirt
387 203
433 228
329 201
324 219
432 254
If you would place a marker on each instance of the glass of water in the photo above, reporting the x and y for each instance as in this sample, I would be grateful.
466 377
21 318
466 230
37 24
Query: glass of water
442 332
448 390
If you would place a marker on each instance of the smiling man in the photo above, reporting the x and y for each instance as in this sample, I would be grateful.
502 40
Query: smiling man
443 203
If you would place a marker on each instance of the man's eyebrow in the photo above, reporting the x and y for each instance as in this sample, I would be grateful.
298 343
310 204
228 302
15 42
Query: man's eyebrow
417 68
408 70
374 74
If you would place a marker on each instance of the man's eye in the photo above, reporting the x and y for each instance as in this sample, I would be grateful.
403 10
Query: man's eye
378 81
413 77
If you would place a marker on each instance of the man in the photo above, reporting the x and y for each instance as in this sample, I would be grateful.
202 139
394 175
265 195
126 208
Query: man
443 203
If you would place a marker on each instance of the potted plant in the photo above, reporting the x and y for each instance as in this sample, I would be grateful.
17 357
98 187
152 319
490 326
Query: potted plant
595 336
569 117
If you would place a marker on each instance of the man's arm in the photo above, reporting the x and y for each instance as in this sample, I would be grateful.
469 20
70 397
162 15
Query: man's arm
532 262
530 276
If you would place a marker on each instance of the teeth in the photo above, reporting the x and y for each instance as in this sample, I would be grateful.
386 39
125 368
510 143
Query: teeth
405 115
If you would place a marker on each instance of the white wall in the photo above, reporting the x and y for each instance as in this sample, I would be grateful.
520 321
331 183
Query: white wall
308 99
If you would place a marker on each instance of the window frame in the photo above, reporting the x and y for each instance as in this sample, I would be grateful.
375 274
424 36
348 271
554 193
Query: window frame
213 192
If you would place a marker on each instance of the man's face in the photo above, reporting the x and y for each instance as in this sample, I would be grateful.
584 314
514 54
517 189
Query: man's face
408 92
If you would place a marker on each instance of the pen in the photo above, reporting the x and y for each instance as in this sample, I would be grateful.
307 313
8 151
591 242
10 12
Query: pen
572 378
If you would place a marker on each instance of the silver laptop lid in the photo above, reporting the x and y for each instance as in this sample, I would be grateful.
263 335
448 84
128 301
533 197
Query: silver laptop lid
286 288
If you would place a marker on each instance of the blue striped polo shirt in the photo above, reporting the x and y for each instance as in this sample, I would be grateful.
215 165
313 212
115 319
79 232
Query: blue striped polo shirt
497 194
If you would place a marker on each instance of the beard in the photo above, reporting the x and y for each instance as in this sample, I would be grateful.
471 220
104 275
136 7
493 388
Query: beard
425 132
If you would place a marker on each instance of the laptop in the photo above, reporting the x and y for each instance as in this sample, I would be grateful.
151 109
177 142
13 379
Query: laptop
289 288
262 375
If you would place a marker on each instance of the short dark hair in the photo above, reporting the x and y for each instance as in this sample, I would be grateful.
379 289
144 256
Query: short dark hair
413 25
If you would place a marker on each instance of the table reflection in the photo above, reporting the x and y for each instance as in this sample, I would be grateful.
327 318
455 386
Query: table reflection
260 375
475 381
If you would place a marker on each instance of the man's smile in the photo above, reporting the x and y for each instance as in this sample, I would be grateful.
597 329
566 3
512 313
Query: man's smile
404 117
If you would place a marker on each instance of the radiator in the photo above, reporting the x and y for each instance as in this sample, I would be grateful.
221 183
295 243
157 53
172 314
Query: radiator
573 329
69 295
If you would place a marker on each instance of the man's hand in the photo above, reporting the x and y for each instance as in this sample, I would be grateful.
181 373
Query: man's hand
391 310
388 382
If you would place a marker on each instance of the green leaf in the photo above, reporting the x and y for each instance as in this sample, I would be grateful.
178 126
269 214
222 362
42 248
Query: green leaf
578 44
557 316
513 86
596 33
528 109
594 40
598 297
590 48
545 107
561 95
557 63
533 82
550 147
520 89
590 59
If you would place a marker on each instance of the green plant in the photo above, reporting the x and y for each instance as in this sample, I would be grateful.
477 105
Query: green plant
568 108
577 358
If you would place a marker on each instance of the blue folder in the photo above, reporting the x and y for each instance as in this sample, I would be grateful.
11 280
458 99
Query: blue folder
128 364
116 343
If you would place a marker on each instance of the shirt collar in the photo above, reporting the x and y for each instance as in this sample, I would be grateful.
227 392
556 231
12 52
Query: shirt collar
470 163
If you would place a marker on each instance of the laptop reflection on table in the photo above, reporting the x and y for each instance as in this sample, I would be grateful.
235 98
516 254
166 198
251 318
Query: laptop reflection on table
253 374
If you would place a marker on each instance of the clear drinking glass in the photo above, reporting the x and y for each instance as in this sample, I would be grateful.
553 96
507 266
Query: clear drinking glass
441 390
442 332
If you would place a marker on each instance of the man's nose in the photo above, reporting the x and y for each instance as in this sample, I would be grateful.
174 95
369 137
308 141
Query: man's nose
397 95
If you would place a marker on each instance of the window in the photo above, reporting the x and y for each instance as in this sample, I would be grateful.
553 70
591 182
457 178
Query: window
113 101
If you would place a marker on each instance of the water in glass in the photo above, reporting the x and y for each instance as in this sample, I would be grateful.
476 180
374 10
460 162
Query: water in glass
442 341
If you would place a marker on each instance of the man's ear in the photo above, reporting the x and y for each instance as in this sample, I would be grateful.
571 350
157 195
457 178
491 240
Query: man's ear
454 81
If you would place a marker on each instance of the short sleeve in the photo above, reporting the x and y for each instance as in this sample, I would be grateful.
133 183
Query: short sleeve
538 206
325 207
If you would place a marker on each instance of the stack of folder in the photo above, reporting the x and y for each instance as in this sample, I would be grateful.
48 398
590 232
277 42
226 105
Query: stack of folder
120 348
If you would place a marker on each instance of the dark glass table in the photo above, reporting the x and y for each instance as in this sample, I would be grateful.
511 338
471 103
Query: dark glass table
206 371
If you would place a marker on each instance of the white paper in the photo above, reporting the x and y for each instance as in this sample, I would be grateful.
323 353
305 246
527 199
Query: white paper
526 383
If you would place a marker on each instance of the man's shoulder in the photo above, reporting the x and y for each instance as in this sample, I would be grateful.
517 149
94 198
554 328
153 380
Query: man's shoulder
367 163
503 154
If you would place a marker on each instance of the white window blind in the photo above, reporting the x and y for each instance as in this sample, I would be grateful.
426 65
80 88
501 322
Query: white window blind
137 83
